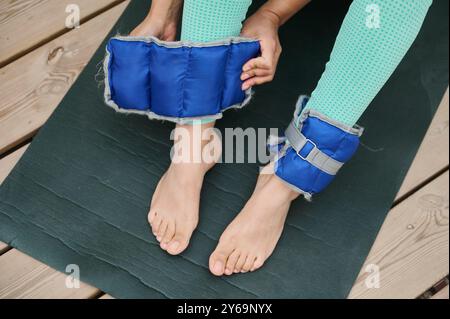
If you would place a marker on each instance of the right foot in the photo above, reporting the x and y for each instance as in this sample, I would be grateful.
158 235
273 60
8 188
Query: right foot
174 209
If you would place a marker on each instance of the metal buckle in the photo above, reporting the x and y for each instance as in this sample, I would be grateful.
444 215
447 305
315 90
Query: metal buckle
314 147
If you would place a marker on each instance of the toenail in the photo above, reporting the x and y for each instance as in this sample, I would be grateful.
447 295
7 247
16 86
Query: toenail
174 245
218 267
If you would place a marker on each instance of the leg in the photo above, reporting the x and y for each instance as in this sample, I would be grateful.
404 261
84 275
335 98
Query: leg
175 204
362 60
209 20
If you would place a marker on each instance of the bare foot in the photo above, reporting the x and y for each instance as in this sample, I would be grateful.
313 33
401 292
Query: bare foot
252 236
174 209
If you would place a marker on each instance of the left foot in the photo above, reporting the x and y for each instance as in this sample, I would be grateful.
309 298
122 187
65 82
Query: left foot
252 236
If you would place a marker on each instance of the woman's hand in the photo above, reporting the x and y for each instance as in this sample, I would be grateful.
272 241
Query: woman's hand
162 20
163 30
263 25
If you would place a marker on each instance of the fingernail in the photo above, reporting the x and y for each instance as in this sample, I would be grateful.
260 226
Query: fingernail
244 76
218 267
174 245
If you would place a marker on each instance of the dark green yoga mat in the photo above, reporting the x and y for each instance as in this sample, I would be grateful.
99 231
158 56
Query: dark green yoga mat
80 194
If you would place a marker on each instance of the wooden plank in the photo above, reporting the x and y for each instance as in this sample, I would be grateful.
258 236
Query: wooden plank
26 24
8 162
32 86
434 151
442 294
388 224
6 165
55 66
412 248
23 277
3 247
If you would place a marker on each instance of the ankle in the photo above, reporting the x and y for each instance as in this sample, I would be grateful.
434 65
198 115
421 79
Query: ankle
281 192
196 145
187 174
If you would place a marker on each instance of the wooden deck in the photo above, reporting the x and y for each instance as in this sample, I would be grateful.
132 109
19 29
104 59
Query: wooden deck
39 61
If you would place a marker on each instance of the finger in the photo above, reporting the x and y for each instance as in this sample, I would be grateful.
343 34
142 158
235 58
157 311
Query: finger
256 63
254 72
256 81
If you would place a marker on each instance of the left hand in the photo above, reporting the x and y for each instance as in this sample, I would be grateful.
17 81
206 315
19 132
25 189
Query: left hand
264 27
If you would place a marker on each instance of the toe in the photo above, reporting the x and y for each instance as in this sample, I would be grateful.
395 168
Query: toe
259 262
231 262
162 230
151 216
156 223
248 263
219 258
179 242
170 231
240 263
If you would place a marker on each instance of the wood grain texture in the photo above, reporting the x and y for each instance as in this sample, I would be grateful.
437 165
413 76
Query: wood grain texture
411 250
8 162
383 241
408 249
32 86
434 150
23 26
6 165
442 294
23 277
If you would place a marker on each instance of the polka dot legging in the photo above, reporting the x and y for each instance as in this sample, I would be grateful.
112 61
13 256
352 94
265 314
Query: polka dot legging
374 37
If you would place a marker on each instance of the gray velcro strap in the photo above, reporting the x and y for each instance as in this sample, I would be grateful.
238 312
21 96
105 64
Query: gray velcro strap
316 157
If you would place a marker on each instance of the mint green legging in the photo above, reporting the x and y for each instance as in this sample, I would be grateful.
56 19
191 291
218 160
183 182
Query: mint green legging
372 41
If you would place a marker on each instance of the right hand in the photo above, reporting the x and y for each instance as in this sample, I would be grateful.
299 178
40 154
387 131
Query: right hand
161 21
163 30
264 27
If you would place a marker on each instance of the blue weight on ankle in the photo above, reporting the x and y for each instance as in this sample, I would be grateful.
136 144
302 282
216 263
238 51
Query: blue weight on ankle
176 81
314 149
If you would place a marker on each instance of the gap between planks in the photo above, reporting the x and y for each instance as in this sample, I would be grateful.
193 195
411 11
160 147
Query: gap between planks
63 59
24 277
411 250
394 277
29 24
433 151
414 176
33 86
441 294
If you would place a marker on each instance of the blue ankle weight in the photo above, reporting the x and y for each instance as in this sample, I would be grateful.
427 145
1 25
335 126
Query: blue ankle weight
176 81
313 150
